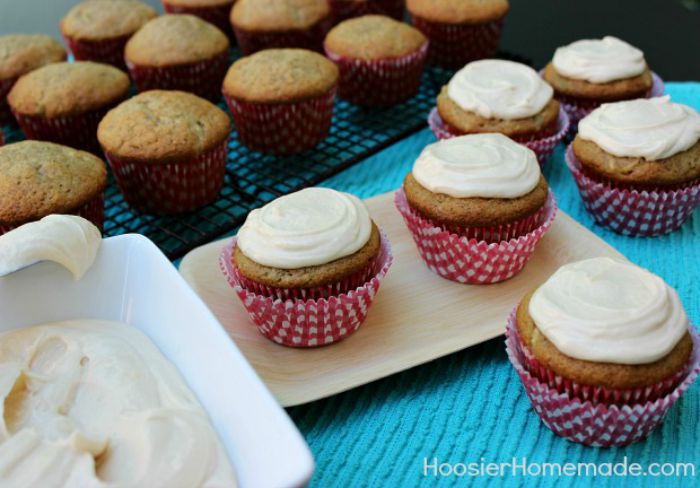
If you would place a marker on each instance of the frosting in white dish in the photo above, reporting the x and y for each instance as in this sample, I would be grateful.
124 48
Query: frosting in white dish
605 310
653 128
95 404
599 60
478 165
498 89
68 240
310 227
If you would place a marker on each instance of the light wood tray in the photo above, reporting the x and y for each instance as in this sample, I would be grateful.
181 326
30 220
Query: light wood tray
416 317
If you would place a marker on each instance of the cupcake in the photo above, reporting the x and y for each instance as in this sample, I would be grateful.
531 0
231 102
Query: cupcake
167 150
636 165
380 60
41 178
281 99
178 52
589 72
307 266
501 96
460 31
20 54
476 206
64 102
97 30
609 343
265 24
346 9
216 12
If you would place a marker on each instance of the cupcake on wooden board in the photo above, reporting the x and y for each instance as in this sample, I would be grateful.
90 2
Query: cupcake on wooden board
607 342
501 96
178 52
347 9
589 72
307 266
64 102
41 178
460 31
476 206
380 60
265 24
167 150
216 12
281 99
636 165
97 30
20 54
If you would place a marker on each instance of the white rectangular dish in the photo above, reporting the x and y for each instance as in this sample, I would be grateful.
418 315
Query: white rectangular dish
133 282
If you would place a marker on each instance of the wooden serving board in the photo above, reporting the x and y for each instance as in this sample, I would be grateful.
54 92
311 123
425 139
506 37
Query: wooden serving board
416 317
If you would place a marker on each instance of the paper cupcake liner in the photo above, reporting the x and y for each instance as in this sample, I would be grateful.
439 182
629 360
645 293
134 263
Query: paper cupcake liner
308 322
346 9
108 51
632 212
466 259
380 82
541 143
454 45
217 15
92 211
283 128
311 38
596 424
203 78
171 188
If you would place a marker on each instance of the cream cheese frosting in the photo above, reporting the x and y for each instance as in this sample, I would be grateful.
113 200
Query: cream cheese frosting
310 227
653 128
599 60
478 165
68 240
95 404
498 89
607 310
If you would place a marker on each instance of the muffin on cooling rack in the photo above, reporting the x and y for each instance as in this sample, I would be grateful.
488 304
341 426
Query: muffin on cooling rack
215 12
41 178
167 150
346 9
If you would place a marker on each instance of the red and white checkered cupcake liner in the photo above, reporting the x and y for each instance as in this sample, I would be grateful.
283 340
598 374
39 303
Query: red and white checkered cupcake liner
380 82
108 51
217 15
171 188
283 128
634 212
454 45
93 211
346 9
203 78
595 424
542 143
466 257
308 322
311 38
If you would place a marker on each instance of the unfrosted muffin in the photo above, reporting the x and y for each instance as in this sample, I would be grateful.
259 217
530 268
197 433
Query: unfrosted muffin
265 24
178 52
281 99
64 102
167 150
380 60
346 9
215 12
41 178
97 30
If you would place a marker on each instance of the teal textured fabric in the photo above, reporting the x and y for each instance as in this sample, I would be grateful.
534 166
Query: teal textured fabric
471 406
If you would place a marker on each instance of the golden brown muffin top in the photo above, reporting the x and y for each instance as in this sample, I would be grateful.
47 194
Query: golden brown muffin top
68 88
22 53
374 37
175 39
458 11
626 89
280 75
160 126
200 3
96 20
40 178
276 15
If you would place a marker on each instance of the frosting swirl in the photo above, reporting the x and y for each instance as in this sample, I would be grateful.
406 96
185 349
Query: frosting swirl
653 128
478 165
606 310
308 228
495 88
599 60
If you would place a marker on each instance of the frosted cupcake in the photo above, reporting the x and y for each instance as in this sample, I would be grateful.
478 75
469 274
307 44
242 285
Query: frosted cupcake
635 163
476 206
